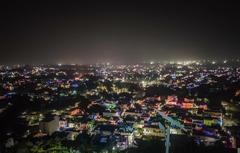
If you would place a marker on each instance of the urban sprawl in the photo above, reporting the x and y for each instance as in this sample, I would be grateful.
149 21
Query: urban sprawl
113 108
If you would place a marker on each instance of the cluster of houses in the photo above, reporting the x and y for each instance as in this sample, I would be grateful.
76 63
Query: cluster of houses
123 103
119 124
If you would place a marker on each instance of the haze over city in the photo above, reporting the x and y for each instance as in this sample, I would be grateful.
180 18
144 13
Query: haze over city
89 32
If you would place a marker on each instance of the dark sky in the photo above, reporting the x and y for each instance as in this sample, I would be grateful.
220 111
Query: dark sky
88 32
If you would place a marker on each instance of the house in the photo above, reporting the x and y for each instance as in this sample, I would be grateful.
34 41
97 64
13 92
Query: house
131 119
110 113
214 114
63 124
153 130
208 121
171 100
131 112
75 112
212 121
125 129
197 120
187 105
49 125
202 105
106 129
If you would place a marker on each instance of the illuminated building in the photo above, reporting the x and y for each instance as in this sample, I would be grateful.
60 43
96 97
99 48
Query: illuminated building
187 105
75 111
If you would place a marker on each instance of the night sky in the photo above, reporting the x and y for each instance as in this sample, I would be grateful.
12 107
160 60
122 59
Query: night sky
89 32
